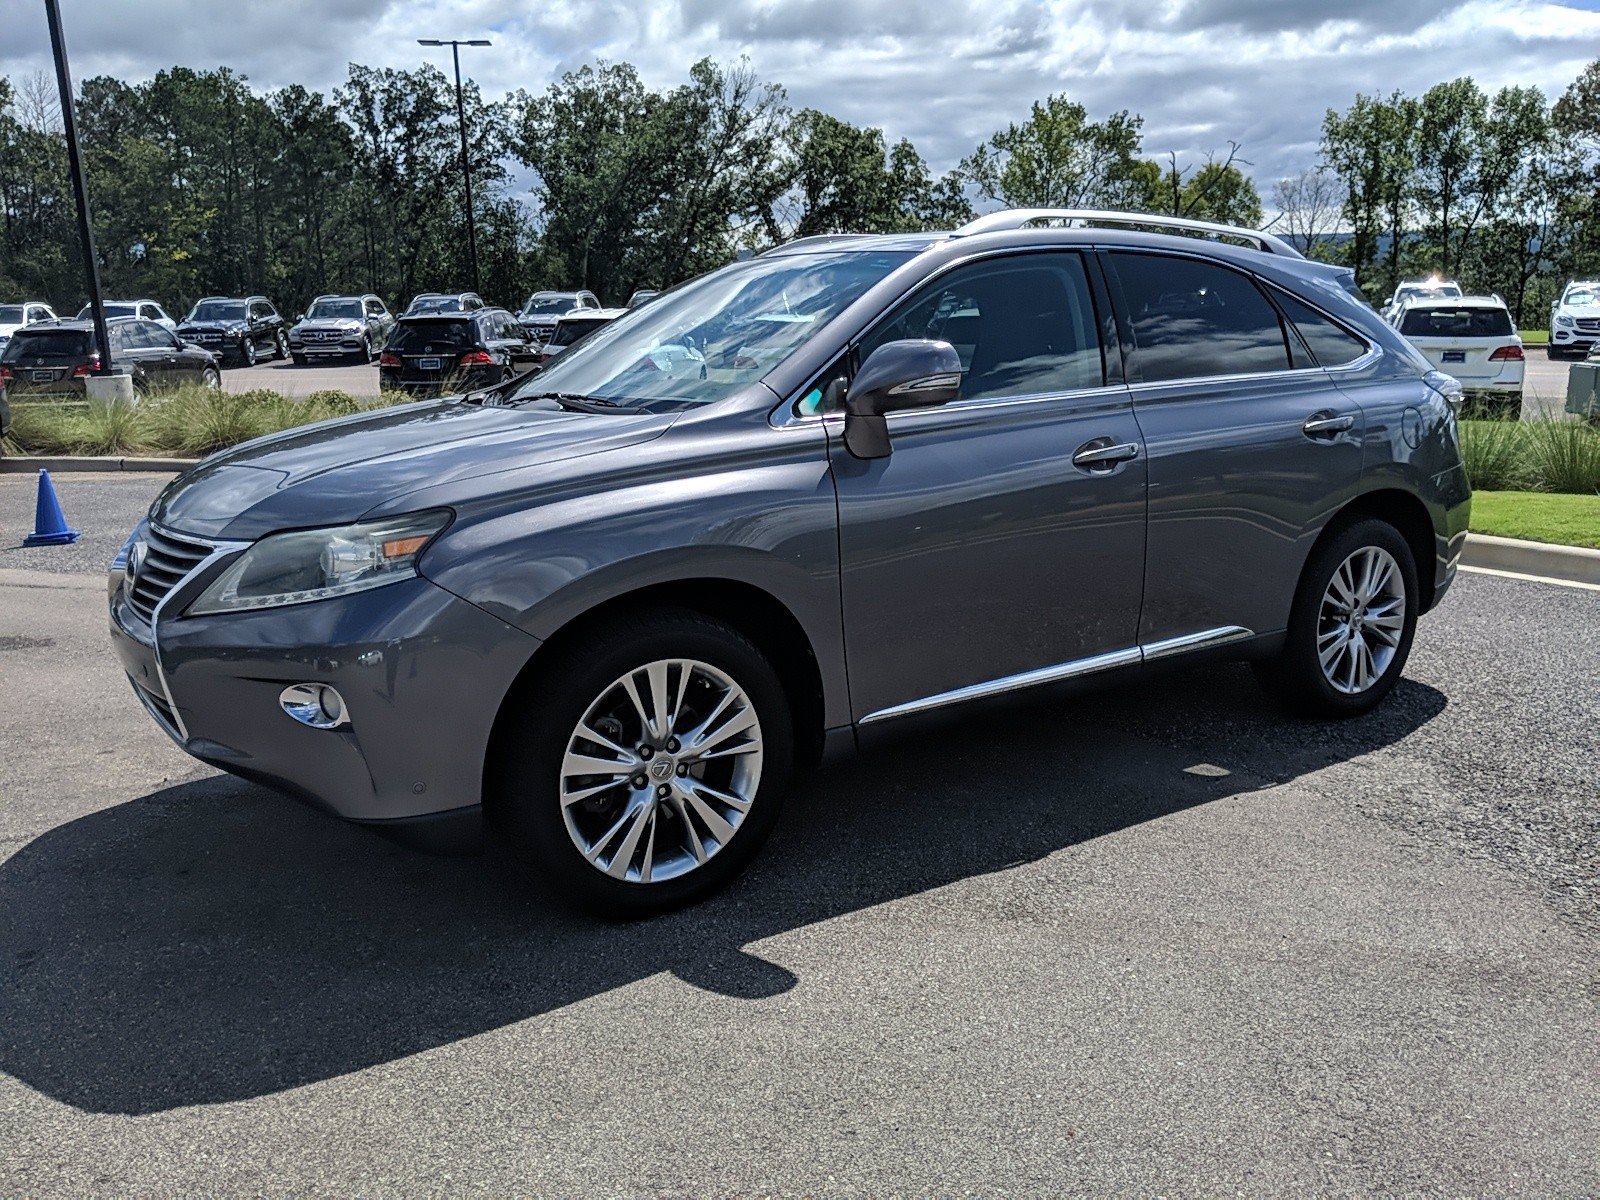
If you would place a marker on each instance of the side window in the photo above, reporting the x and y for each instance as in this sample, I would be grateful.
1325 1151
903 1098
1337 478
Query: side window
118 334
1192 319
1330 345
374 309
1023 325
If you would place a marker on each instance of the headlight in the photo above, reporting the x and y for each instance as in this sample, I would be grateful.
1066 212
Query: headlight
1564 322
316 564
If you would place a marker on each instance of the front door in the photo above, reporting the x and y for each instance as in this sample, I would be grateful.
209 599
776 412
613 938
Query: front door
1251 445
978 555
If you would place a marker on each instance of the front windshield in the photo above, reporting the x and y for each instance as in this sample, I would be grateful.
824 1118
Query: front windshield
1582 299
428 304
112 310
542 305
709 338
218 310
326 310
10 314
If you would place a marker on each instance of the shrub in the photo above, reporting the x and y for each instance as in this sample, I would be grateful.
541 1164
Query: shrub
1492 452
1563 456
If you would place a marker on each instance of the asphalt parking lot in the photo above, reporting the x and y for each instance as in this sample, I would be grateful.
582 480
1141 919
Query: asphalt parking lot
359 379
1157 941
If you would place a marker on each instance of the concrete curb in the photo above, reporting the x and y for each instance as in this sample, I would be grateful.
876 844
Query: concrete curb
1572 563
17 464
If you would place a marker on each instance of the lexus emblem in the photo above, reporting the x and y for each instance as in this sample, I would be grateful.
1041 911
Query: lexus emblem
661 769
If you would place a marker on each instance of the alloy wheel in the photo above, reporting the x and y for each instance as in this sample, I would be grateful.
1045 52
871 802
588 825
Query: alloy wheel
1361 620
661 771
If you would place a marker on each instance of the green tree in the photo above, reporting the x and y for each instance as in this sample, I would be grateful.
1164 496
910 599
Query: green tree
1058 158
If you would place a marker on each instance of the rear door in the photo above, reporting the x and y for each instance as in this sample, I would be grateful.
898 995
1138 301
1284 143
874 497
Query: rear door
978 554
1251 447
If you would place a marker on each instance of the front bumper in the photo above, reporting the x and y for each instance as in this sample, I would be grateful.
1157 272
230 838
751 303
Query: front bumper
422 673
342 347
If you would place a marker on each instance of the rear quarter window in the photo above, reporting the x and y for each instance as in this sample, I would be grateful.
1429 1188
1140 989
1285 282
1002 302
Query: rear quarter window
1330 345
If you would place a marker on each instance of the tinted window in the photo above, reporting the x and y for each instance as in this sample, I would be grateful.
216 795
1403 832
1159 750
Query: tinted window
570 330
217 310
11 314
374 309
1330 345
424 337
327 310
1456 322
1023 326
1193 319
54 343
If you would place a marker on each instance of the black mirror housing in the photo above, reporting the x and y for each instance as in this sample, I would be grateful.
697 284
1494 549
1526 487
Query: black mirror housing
913 373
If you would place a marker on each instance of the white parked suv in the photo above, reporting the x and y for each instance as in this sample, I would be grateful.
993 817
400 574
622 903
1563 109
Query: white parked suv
145 310
1474 339
1413 290
1575 320
14 316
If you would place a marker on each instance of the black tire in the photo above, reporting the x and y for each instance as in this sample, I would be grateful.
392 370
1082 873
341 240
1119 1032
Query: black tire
1295 678
281 346
1551 352
524 780
210 377
299 360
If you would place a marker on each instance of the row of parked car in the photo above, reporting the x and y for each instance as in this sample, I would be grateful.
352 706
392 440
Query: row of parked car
441 340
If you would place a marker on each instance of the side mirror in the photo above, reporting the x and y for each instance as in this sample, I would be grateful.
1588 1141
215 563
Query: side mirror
897 375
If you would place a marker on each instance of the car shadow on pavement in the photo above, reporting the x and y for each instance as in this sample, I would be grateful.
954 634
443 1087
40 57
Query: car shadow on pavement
214 942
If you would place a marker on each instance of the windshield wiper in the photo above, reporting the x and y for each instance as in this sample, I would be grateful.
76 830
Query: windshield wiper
575 402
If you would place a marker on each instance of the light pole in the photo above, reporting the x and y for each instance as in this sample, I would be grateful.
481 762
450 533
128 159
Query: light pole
461 116
80 190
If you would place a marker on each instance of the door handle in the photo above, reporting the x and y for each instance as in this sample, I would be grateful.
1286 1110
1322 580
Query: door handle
1103 454
1326 424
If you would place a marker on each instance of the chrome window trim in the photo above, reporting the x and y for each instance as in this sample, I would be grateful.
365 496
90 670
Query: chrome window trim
1368 359
1145 652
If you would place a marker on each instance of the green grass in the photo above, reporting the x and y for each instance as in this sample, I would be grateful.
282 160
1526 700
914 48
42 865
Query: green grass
1534 337
1538 517
188 422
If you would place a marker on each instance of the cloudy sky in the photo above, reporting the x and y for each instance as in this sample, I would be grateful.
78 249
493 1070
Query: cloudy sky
945 73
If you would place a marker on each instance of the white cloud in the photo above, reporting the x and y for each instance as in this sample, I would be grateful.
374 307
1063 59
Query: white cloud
944 73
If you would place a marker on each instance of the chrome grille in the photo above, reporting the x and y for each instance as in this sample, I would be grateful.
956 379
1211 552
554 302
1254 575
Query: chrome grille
322 335
1588 324
168 558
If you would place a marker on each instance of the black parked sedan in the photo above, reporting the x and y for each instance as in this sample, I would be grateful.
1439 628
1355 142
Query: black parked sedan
440 353
236 330
55 357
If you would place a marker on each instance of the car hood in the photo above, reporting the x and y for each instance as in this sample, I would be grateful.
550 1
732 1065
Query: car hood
336 472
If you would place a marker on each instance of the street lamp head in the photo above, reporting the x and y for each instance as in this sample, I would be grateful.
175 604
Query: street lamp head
429 42
478 42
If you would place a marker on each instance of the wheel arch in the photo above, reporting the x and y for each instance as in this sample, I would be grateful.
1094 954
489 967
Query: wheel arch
1408 515
753 611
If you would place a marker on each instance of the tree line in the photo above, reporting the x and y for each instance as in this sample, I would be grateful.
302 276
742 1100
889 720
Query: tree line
200 184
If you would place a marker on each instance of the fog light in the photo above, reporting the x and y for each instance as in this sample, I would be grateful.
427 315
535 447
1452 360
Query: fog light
316 705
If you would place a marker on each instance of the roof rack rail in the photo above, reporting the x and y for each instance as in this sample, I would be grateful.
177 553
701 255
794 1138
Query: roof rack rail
1021 218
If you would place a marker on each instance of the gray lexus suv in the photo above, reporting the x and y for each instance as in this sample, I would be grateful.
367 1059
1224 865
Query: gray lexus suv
609 611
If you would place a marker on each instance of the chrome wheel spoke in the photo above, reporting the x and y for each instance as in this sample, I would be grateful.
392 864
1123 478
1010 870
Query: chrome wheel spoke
1362 620
638 805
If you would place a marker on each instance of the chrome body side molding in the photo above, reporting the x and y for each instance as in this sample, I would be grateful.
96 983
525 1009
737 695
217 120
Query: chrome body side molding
1132 656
